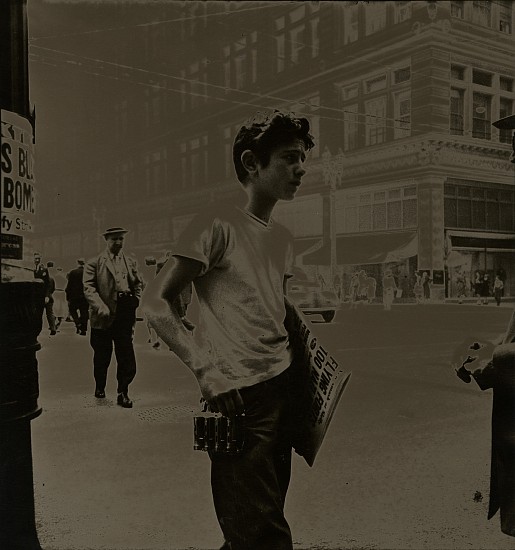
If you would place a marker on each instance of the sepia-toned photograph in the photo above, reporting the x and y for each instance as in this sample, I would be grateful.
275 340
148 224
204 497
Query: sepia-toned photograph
257 275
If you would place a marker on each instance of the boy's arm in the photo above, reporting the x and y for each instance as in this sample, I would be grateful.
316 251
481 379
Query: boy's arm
158 305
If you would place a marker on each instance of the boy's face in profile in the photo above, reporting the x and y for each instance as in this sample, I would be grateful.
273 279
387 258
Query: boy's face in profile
281 178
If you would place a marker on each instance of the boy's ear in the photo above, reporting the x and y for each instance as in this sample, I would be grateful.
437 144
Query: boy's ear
249 161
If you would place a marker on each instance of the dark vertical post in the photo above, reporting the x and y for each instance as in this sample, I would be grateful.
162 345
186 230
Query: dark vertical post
20 321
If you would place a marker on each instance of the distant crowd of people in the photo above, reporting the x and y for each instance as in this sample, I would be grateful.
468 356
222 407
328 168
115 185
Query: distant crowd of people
480 286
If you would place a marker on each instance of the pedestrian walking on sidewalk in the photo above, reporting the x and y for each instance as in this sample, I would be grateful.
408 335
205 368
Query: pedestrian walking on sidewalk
41 272
112 286
498 289
77 303
60 302
485 289
389 289
239 260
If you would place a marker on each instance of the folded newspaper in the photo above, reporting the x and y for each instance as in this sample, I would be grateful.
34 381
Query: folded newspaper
321 382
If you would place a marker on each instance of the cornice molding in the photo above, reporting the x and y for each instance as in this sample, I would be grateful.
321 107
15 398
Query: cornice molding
428 153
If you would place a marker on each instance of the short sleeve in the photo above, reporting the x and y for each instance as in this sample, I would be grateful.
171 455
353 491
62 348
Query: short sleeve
204 240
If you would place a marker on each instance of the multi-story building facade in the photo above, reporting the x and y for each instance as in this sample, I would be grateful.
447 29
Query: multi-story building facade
408 173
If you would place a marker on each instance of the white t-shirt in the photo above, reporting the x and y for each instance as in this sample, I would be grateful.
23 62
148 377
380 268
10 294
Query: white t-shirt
240 291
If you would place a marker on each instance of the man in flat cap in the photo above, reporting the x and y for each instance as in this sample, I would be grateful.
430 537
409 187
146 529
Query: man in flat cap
112 286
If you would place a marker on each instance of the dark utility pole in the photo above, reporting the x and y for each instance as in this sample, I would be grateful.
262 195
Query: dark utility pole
21 299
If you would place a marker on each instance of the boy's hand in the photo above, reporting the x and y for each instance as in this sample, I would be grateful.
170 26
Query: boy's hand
103 310
220 394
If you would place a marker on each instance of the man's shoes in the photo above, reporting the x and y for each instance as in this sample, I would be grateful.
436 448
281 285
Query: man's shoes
53 332
83 333
100 394
124 401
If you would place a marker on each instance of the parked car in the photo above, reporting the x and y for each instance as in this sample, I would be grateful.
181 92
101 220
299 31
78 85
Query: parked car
311 299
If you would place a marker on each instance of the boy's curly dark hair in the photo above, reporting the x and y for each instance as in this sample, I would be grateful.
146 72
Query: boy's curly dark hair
266 131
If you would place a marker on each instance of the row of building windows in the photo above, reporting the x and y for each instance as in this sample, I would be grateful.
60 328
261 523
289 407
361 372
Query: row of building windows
381 210
477 98
480 207
378 102
495 15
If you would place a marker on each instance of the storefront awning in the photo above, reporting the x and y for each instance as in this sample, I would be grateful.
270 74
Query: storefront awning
492 243
367 249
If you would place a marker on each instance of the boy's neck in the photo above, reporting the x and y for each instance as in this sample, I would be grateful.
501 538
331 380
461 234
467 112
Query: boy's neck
261 209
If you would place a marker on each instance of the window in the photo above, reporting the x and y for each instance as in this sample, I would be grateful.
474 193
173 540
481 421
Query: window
122 182
382 210
379 216
184 92
350 24
402 114
481 115
375 17
280 45
457 8
350 127
375 121
349 92
506 84
194 161
297 36
401 75
155 171
197 76
482 78
376 83
505 16
121 110
296 43
402 11
479 205
457 72
154 104
240 62
315 40
457 110
505 109
481 12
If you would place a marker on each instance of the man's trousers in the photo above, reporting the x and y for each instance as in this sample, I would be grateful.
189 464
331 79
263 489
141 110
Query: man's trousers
78 310
120 334
249 489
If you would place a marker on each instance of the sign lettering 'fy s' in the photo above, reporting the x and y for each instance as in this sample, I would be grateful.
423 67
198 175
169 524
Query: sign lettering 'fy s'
18 194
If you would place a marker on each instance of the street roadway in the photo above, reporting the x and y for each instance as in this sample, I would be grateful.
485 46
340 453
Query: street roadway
405 463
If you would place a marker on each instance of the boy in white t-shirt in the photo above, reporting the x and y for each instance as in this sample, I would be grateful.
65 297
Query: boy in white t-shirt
239 260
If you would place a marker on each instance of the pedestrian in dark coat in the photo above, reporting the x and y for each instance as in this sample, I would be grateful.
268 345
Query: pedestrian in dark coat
41 272
485 289
499 374
77 304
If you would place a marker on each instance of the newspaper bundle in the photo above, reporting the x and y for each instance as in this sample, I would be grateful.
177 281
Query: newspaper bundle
321 382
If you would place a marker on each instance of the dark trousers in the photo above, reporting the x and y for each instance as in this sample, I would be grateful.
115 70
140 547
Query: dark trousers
50 317
79 312
249 489
120 334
